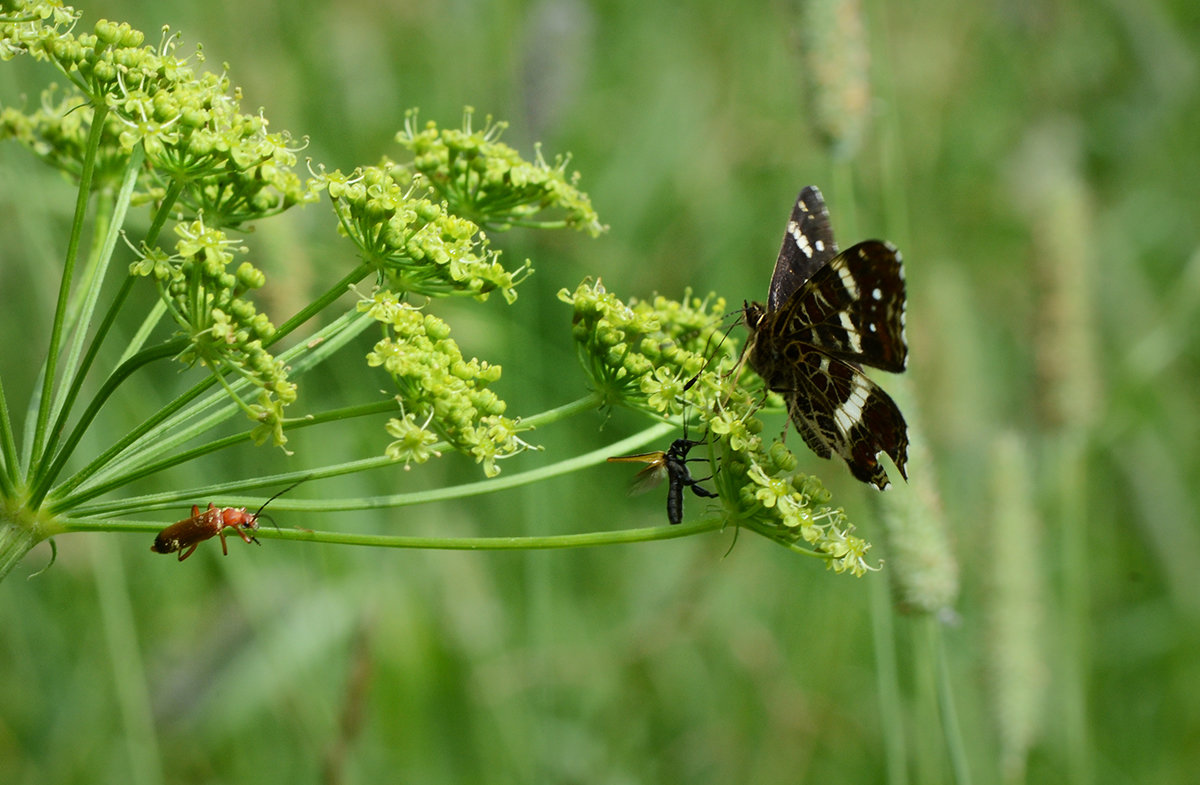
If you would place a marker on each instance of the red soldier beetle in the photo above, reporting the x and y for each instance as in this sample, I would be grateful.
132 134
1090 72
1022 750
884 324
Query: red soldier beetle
187 534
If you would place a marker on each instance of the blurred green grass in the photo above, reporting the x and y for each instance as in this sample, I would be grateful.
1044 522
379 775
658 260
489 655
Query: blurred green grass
673 662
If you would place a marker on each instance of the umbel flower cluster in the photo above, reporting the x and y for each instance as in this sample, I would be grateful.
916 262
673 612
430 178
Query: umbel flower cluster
417 245
671 357
442 394
200 149
415 226
224 330
483 179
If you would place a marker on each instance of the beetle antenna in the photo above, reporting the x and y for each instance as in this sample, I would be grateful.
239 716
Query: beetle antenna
268 517
276 496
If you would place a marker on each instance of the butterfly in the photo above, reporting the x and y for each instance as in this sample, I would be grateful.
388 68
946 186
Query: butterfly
827 315
673 464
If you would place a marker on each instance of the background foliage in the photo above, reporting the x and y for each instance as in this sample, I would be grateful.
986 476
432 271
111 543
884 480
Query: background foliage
1034 162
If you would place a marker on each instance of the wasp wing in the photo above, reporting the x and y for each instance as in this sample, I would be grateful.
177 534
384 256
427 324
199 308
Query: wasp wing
648 477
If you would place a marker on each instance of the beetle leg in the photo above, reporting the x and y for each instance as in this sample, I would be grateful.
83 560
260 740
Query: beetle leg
242 533
184 554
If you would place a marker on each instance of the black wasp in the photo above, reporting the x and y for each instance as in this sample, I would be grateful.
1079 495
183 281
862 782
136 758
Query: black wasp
672 464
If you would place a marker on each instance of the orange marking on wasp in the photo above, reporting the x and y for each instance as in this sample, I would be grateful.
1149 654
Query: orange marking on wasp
187 534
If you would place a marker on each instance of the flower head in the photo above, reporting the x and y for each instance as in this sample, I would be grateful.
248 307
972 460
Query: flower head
224 329
437 384
489 182
214 159
664 355
416 244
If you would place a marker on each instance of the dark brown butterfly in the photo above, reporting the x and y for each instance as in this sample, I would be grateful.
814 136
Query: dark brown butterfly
673 465
827 315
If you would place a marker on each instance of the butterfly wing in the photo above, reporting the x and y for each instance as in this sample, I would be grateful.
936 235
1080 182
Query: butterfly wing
837 409
807 246
827 315
852 308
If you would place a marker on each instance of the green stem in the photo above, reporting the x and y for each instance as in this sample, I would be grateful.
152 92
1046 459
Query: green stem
87 289
108 228
153 317
186 424
100 112
15 541
77 383
10 470
177 412
887 682
517 480
160 306
951 730
120 480
105 458
171 499
42 484
584 540
164 210
318 305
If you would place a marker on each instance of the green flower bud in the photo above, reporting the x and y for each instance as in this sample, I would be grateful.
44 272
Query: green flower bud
250 277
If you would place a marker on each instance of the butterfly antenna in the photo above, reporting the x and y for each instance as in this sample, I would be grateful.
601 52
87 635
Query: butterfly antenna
708 357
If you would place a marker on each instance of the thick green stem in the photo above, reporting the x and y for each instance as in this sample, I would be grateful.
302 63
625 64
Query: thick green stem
109 225
19 532
15 542
77 383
